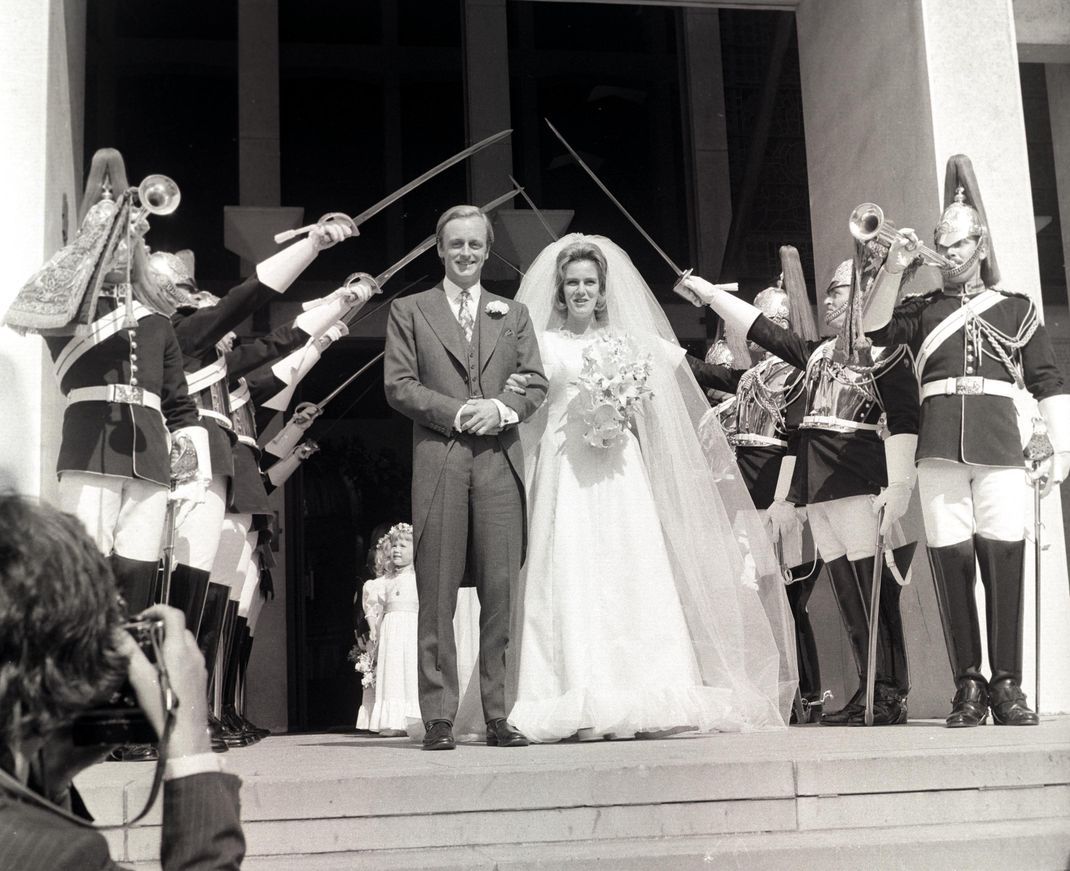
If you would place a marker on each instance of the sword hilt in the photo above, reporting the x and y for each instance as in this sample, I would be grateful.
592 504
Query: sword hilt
329 218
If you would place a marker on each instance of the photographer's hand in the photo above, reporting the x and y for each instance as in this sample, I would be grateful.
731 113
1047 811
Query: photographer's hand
189 681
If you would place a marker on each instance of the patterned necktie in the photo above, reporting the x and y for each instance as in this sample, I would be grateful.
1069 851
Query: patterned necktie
464 316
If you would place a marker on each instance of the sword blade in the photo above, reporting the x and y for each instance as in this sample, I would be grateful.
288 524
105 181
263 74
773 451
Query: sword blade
874 621
435 170
534 208
672 265
323 402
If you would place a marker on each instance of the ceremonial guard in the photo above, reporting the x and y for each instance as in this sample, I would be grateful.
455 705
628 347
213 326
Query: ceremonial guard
759 422
130 428
975 346
844 474
251 366
200 321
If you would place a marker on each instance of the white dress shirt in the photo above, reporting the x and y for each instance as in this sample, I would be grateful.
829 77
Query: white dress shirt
453 297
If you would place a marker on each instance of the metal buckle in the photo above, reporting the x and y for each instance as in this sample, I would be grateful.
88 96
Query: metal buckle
127 393
970 385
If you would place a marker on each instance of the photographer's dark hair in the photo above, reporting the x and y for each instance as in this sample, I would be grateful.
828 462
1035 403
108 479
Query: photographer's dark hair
59 610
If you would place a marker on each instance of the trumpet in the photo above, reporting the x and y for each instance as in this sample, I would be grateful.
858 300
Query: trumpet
158 195
867 223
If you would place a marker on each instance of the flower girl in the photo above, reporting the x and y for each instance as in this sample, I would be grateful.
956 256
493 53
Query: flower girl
396 690
364 655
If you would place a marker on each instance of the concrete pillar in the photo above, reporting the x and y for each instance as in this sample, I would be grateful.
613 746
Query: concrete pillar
953 88
42 64
253 223
710 194
485 41
1058 81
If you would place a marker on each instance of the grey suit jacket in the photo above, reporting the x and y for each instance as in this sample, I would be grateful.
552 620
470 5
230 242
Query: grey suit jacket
425 378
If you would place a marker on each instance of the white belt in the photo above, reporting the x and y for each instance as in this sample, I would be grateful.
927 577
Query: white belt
753 440
972 385
221 419
124 393
248 440
836 424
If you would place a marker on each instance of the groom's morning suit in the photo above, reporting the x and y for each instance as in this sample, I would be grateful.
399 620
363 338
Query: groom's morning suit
467 490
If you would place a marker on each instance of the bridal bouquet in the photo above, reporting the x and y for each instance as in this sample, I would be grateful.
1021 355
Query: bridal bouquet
364 662
612 383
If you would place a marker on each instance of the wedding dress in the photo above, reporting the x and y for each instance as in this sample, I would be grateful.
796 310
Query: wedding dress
639 608
604 647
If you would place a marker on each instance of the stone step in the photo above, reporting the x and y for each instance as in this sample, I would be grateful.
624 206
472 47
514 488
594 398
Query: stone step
1028 845
342 795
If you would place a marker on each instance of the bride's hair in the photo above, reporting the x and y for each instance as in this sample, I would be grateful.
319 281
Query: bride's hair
574 253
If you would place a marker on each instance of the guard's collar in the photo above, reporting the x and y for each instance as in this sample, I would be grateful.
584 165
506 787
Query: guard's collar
965 290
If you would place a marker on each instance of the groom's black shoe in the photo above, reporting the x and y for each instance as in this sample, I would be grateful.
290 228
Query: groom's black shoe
501 734
439 735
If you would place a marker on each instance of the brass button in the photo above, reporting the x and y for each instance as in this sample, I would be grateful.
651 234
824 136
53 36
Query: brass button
133 381
969 370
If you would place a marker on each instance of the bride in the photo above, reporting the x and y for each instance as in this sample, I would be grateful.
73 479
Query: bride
639 611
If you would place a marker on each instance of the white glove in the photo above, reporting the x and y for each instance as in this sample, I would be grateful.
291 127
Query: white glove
895 498
332 335
784 518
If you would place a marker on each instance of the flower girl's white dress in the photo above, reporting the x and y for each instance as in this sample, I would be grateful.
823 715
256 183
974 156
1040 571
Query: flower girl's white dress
603 644
397 693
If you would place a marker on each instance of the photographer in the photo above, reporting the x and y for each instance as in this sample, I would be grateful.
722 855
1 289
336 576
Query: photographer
63 651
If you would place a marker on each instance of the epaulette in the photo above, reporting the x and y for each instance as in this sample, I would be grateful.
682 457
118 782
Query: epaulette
1012 293
922 295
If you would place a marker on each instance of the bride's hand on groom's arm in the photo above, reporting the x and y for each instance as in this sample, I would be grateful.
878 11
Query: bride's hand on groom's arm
518 383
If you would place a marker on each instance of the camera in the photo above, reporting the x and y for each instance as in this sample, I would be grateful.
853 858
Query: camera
120 720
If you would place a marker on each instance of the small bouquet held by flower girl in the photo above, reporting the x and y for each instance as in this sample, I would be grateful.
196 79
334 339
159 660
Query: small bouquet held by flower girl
612 384
364 662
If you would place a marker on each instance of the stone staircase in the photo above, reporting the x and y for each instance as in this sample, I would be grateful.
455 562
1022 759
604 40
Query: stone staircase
918 796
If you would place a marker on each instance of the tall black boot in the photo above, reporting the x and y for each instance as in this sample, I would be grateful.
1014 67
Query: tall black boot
188 589
891 620
136 580
208 638
1001 573
246 651
891 682
208 635
233 730
954 569
852 605
805 644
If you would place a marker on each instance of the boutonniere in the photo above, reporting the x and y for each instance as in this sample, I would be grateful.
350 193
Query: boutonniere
496 308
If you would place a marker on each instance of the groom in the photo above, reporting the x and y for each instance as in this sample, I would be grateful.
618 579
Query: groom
449 351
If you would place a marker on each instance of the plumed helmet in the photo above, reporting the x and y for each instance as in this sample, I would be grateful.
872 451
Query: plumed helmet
173 275
793 282
964 214
842 276
719 354
106 179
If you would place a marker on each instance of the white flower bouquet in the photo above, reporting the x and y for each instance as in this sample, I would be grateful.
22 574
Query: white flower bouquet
612 385
364 662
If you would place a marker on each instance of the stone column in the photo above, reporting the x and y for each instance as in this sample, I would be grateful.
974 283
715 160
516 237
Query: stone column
485 42
42 64
249 229
1058 81
710 195
882 131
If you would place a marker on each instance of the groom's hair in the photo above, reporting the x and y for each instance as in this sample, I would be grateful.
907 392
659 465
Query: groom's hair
462 212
